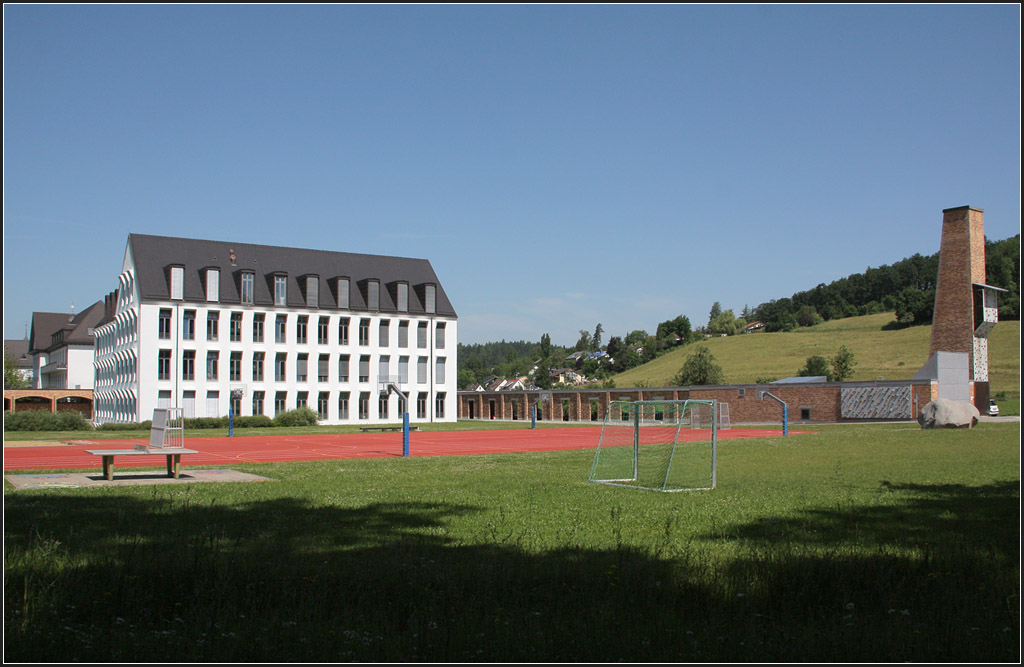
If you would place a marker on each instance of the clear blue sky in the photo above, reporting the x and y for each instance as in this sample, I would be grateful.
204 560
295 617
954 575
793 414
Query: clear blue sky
560 166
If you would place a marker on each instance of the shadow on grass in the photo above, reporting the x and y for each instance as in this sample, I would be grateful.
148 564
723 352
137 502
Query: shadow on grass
128 579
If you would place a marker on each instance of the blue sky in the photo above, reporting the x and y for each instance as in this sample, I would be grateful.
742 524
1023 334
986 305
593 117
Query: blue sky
560 166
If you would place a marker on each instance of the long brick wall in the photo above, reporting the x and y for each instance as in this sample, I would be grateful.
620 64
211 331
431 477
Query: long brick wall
817 402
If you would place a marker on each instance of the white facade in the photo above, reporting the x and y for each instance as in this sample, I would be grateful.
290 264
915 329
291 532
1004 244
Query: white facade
193 354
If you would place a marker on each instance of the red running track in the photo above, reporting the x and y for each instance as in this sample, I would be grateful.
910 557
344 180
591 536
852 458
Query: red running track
317 447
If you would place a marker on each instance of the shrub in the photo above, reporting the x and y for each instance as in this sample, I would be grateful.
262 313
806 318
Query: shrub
253 421
40 420
303 416
200 423
700 369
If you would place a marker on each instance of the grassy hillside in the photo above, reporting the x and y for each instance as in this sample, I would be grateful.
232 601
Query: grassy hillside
892 355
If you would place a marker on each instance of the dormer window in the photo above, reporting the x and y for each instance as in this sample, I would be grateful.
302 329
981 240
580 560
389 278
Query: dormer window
312 291
213 284
177 283
430 298
374 295
343 290
247 290
402 297
280 290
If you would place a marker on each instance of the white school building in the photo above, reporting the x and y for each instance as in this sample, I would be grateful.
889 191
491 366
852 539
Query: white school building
212 326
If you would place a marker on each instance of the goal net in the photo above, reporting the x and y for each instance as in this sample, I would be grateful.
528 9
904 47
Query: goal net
658 445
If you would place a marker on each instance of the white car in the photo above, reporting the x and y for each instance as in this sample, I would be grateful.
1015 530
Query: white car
993 409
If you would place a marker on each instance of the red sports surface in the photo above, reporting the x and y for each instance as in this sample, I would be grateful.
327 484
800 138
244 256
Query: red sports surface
318 447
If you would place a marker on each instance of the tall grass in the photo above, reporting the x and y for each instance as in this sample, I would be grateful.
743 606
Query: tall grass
855 543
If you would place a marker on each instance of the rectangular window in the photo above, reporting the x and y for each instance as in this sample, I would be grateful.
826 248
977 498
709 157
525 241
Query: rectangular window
280 402
188 325
281 366
163 365
213 404
343 288
302 400
300 329
373 295
343 361
421 370
364 368
322 402
343 405
431 298
323 330
385 333
177 283
236 327
384 369
439 371
235 404
403 333
439 405
403 297
257 327
164 330
382 406
323 368
364 332
301 368
280 290
188 404
212 325
403 370
188 365
421 405
281 329
235 367
312 292
213 285
364 405
257 402
439 336
247 295
421 335
212 363
257 366
343 331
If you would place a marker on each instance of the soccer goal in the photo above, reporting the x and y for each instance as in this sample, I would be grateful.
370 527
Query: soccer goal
658 445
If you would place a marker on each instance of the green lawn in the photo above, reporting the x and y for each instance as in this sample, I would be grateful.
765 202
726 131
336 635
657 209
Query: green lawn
868 543
892 355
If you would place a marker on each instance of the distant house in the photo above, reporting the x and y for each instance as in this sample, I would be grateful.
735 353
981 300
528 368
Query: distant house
61 347
565 376
754 327
18 349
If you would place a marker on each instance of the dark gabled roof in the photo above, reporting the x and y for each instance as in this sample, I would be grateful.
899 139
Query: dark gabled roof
154 255
19 352
76 328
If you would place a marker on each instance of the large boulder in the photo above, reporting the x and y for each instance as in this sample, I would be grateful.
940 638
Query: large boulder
946 413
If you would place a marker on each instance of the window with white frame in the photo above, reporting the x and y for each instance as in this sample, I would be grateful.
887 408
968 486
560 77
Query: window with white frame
439 336
312 292
403 297
421 370
280 290
177 283
343 331
385 331
188 325
430 292
343 361
373 295
439 370
343 291
257 327
248 289
302 367
213 285
212 325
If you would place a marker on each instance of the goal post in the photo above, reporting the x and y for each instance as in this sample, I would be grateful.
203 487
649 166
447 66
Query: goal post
658 445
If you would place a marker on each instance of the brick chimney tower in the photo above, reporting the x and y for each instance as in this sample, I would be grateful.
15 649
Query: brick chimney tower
965 307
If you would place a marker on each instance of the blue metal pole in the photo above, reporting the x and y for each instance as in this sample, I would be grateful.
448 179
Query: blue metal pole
231 423
533 416
405 434
785 419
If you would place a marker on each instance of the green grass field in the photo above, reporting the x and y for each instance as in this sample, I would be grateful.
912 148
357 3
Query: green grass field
863 543
893 355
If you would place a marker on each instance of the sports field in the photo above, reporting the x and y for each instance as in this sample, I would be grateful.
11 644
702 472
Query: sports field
853 543
320 447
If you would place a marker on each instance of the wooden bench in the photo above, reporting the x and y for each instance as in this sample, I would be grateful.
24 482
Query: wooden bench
173 455
366 429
